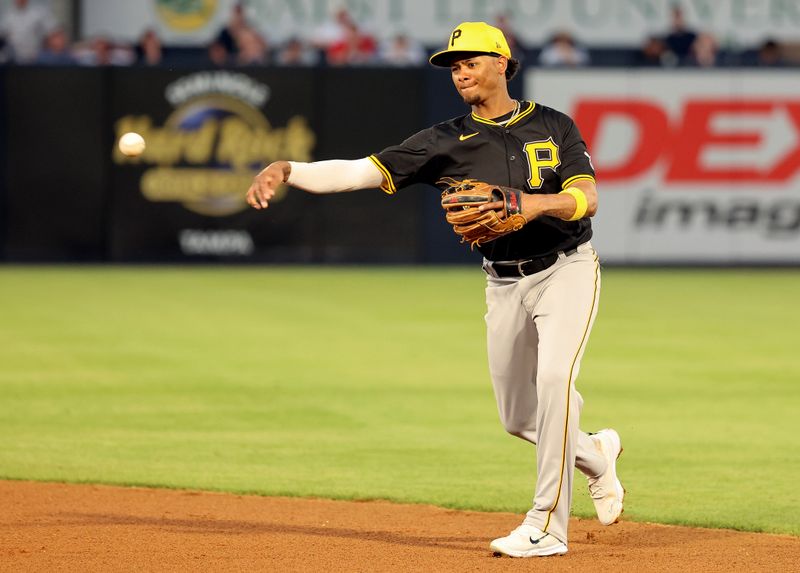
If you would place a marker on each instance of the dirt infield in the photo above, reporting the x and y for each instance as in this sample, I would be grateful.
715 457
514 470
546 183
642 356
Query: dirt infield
57 527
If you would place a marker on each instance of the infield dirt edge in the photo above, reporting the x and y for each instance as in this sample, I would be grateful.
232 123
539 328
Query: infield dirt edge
107 528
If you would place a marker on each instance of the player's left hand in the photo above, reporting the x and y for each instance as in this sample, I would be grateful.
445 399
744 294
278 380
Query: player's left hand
463 202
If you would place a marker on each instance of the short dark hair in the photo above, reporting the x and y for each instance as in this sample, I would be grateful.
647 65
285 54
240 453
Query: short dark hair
512 68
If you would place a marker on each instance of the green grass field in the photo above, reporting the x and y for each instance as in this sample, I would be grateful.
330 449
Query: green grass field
372 383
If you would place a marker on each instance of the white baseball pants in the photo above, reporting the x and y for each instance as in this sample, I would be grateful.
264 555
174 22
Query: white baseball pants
537 330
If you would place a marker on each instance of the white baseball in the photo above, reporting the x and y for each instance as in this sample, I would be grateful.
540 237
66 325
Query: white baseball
131 144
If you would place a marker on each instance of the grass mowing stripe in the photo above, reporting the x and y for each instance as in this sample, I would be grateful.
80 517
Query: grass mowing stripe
372 383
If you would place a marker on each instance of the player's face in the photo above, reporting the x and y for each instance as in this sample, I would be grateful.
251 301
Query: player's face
477 78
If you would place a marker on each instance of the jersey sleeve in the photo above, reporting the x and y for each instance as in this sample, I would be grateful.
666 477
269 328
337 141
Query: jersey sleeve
576 163
405 164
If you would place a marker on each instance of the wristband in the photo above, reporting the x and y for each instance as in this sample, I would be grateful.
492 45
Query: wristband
581 205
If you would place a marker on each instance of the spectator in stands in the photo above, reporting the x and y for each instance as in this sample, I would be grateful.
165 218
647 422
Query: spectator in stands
680 38
253 49
101 51
149 51
24 27
355 48
242 42
297 53
704 52
562 51
770 54
228 35
403 51
218 54
654 53
57 50
333 30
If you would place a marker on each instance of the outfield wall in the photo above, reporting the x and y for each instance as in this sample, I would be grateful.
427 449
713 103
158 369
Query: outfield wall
69 194
693 167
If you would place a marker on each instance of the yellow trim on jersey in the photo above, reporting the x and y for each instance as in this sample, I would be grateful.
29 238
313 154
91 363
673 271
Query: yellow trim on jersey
389 186
569 389
575 178
523 114
480 119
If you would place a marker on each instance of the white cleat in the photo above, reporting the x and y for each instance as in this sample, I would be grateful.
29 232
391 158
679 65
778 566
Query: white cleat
528 541
606 490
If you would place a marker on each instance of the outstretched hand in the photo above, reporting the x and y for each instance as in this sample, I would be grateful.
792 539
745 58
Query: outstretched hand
263 187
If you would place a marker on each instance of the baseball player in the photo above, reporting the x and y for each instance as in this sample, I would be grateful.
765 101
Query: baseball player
543 280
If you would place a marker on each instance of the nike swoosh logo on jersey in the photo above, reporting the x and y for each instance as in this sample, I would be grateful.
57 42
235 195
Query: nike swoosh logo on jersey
463 137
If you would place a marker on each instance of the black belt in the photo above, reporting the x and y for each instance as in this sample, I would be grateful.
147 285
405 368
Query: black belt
525 267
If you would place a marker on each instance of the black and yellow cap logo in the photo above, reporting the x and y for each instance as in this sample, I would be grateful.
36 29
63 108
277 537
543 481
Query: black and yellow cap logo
477 37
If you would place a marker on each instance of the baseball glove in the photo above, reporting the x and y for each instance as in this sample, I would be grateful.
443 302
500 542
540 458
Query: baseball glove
461 200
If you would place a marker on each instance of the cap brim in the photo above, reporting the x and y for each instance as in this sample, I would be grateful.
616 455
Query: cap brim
445 58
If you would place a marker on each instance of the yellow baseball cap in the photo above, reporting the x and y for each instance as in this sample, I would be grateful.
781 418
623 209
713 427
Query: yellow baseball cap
472 37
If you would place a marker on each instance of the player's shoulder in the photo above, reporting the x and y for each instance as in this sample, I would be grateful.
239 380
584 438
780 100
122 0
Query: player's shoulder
452 126
551 113
438 132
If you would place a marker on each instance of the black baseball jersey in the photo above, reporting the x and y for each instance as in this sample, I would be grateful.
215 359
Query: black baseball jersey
539 151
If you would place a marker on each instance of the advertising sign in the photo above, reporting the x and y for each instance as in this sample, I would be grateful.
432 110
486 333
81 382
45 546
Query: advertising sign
692 166
208 134
595 22
52 193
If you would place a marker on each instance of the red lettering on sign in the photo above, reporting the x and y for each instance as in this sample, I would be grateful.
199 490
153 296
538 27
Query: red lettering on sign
790 163
652 133
682 145
695 135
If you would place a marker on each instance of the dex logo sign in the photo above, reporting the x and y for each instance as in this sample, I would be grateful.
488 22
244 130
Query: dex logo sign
692 165
741 140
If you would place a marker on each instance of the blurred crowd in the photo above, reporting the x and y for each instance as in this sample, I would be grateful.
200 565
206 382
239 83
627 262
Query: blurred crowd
685 46
31 35
679 46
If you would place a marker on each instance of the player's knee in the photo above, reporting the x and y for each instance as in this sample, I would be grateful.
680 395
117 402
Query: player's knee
520 430
515 431
553 377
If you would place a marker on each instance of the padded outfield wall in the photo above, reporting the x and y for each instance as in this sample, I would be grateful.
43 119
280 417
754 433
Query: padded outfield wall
693 167
69 195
